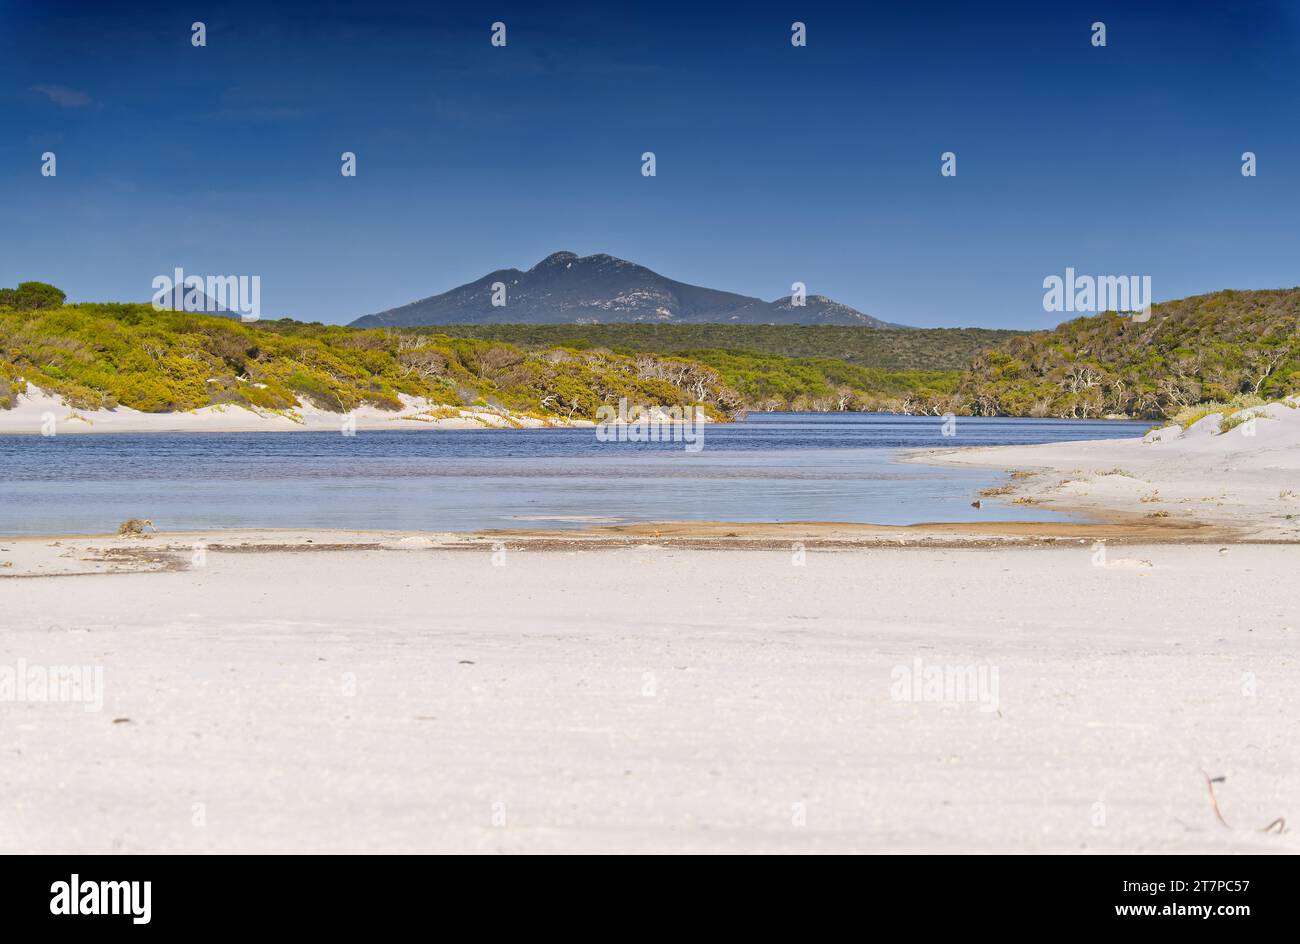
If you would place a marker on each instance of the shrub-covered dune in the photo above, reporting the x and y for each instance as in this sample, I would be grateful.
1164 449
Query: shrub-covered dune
1219 347
99 356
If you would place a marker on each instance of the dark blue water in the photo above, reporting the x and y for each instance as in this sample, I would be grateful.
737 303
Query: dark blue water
771 467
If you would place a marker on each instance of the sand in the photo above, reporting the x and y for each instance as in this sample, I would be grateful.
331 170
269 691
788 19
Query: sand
38 413
699 687
651 698
1246 479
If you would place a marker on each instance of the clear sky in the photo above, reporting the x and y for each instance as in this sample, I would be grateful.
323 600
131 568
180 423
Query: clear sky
775 164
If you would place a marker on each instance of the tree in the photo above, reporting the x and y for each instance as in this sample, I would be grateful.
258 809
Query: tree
29 296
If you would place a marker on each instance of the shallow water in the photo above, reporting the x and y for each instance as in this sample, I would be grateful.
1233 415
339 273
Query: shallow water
771 467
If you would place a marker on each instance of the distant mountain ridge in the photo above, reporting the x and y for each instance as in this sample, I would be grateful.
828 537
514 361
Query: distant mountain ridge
565 288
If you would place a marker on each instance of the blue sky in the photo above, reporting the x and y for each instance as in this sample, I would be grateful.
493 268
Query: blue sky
775 164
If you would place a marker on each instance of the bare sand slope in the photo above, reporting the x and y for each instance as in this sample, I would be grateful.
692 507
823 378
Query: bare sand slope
39 413
1247 478
659 699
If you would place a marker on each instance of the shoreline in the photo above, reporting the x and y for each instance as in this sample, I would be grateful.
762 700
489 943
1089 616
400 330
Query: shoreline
36 410
31 556
1173 486
1238 472
37 413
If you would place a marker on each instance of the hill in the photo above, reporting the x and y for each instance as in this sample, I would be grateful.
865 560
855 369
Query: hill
886 348
1204 348
1221 347
104 355
599 289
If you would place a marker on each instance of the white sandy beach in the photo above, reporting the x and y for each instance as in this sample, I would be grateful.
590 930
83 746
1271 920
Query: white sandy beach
686 687
39 413
657 699
1247 478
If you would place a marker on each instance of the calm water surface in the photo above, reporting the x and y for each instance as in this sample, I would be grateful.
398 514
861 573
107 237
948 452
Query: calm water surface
771 467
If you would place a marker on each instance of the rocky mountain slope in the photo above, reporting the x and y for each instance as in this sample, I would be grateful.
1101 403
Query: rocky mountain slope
600 289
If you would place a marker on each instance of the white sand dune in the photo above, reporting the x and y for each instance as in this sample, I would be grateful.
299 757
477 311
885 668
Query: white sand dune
1247 477
39 413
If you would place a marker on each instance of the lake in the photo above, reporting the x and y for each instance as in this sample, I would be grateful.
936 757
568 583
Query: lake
770 467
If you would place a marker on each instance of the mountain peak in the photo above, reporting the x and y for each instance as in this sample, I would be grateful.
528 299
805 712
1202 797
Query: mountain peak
561 258
600 288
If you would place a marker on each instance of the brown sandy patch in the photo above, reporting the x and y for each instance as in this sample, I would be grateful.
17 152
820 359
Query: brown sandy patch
824 534
103 554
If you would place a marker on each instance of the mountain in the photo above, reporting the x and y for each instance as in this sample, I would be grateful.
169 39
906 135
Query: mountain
600 289
182 298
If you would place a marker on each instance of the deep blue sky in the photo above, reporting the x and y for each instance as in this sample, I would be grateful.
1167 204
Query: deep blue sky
775 164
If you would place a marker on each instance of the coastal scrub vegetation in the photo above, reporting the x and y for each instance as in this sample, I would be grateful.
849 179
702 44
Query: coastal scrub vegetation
772 382
105 355
29 296
1231 347
897 349
786 367
1204 348
1233 411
